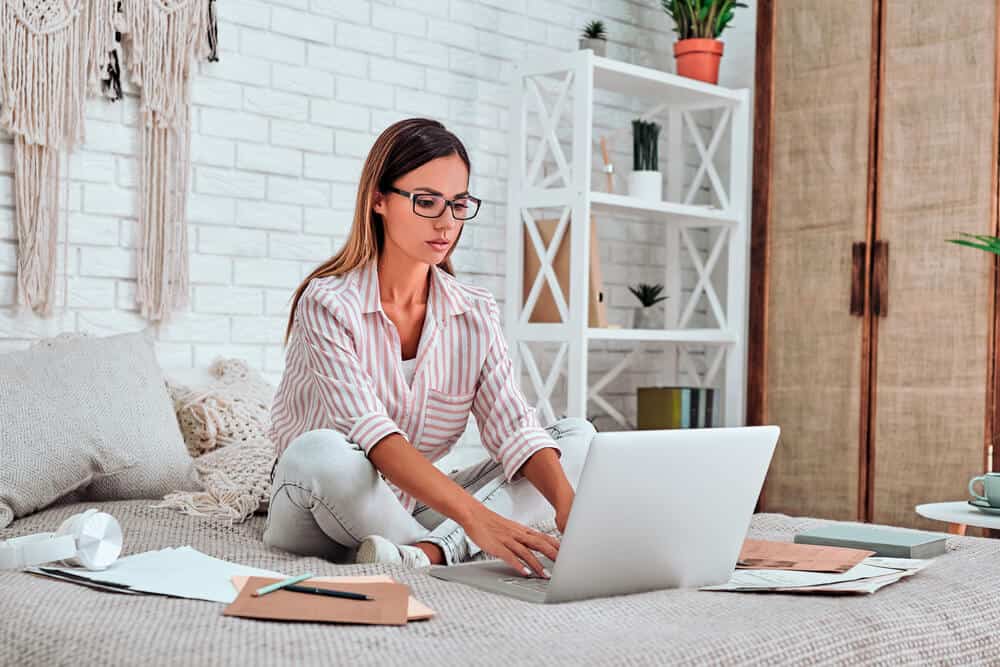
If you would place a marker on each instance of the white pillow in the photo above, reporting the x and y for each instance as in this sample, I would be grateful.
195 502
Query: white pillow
90 414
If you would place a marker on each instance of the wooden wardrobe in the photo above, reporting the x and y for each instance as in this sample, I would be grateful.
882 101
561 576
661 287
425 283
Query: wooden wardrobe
872 340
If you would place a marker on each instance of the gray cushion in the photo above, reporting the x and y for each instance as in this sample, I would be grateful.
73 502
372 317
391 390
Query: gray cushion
90 415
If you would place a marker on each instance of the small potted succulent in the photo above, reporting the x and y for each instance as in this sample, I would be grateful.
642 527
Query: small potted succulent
644 316
645 181
593 37
698 24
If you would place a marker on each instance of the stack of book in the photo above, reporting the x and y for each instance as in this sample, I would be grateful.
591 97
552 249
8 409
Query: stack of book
676 407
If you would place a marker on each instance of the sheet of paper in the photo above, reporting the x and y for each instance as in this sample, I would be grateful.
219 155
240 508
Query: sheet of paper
769 579
915 564
765 555
863 586
179 572
415 611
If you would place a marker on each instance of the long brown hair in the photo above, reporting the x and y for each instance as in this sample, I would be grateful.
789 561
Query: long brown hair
402 147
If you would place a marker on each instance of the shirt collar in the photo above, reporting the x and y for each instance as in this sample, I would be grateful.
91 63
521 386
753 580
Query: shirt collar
444 299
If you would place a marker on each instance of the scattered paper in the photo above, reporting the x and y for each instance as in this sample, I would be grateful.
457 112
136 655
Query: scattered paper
870 575
765 579
181 572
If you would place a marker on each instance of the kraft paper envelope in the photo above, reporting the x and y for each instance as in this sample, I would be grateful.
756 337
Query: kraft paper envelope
763 555
388 607
416 610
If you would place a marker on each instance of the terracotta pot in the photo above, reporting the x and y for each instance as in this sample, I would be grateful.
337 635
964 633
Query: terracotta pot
699 59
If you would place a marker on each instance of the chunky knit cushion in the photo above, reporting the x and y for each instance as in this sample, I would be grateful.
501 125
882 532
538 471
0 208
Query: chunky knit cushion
91 415
225 423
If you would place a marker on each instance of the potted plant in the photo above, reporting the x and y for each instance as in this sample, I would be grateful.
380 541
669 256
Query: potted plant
698 24
644 317
593 37
645 181
988 243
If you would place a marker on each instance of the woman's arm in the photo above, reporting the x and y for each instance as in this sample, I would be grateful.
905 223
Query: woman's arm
546 473
412 472
344 387
509 425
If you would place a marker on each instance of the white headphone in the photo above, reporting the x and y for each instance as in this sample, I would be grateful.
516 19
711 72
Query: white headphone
91 539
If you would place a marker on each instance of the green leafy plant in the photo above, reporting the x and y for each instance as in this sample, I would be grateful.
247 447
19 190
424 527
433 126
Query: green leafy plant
645 152
705 19
648 295
988 243
594 30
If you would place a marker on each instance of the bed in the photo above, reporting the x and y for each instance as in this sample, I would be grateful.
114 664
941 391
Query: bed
947 613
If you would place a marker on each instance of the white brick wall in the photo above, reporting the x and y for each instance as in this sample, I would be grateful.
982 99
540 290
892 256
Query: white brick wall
281 126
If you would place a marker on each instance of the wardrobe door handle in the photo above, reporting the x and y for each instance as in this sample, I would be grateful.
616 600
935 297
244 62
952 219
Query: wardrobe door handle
880 279
858 278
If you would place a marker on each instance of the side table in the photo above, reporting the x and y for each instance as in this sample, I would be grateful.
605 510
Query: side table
959 515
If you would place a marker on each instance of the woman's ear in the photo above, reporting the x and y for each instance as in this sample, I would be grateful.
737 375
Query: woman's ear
378 203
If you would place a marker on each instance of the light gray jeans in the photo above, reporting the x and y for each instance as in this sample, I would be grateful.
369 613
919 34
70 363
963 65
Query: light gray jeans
327 496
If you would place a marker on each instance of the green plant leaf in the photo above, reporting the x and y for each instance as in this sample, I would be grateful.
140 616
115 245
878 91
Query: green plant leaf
988 248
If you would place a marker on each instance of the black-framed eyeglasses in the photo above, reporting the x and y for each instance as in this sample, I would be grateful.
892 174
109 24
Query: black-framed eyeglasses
428 205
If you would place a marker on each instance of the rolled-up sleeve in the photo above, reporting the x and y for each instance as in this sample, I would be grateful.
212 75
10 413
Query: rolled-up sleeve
508 424
344 386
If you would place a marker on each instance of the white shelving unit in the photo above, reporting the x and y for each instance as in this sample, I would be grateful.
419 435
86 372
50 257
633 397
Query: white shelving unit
562 89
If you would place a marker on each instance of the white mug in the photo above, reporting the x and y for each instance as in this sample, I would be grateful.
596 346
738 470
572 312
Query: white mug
90 539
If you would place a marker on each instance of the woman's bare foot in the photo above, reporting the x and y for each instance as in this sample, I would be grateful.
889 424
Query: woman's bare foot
433 552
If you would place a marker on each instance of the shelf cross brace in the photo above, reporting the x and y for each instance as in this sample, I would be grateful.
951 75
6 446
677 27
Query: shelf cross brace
707 165
548 122
704 275
546 257
543 389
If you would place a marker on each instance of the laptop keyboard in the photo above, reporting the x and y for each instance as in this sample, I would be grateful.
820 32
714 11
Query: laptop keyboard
534 583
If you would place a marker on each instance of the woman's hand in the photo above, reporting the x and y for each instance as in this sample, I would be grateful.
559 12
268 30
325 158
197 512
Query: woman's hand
509 540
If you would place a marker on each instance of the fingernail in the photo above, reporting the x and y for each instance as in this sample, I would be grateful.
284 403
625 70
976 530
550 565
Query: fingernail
526 570
546 573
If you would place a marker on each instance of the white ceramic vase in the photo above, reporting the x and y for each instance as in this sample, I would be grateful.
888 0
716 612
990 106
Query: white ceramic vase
644 317
646 184
598 46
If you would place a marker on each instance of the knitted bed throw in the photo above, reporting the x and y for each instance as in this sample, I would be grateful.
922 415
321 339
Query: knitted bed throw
224 425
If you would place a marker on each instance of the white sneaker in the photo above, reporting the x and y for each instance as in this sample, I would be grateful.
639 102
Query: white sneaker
377 549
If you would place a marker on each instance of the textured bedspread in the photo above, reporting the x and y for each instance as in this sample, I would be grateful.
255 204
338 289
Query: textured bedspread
949 613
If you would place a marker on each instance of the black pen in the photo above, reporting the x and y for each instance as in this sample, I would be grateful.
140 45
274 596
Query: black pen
327 591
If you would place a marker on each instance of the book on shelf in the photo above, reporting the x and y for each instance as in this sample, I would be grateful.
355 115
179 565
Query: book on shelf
676 407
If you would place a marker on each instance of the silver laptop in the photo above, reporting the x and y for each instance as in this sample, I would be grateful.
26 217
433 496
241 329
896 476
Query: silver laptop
653 510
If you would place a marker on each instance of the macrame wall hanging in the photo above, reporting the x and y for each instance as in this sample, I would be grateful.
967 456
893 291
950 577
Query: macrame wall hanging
163 38
53 53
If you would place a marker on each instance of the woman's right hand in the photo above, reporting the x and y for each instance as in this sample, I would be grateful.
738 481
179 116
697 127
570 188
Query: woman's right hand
509 540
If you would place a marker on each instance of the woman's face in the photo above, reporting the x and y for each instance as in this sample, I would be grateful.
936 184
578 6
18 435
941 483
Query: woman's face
427 240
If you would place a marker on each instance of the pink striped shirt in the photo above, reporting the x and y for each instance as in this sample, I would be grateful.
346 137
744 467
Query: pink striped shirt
343 371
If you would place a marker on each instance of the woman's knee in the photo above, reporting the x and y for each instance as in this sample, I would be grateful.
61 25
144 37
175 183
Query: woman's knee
324 455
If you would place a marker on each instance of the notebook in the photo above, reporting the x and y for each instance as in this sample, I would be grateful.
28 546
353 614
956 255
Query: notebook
416 611
884 542
388 608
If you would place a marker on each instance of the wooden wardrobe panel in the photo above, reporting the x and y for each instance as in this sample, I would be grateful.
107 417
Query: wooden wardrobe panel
935 168
822 59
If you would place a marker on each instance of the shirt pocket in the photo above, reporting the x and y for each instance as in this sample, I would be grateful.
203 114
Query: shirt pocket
445 418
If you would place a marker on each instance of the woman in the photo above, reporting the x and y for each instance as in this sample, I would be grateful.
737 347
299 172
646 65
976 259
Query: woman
388 356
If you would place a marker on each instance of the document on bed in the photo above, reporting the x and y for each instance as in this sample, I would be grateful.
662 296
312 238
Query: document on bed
866 577
181 572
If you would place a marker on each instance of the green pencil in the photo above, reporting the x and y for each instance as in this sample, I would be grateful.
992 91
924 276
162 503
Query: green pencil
264 590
